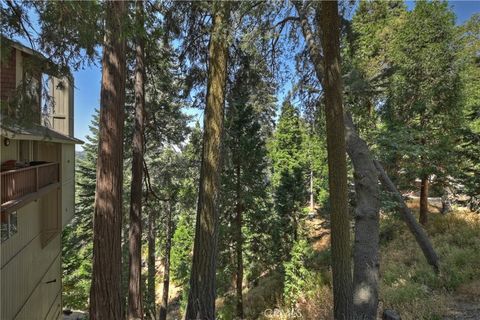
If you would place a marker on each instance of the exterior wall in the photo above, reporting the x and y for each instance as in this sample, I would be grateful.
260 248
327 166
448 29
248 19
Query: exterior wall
68 183
61 118
9 152
50 216
26 267
30 260
32 256
49 151
19 67
8 76
13 71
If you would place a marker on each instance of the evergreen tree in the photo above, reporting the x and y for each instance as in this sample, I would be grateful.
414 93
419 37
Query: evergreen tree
201 299
469 148
367 60
244 178
78 235
422 110
135 307
289 172
105 291
182 241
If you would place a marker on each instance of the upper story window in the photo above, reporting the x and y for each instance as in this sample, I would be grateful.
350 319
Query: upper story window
8 224
33 91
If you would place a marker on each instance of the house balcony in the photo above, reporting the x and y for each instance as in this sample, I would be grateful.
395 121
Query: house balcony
22 185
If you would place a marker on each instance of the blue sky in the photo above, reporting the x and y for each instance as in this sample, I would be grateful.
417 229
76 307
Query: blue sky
87 81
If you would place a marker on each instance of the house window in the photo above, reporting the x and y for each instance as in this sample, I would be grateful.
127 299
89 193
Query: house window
8 224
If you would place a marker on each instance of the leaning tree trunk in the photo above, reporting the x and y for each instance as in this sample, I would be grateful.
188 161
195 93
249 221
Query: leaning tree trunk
337 162
201 298
420 235
151 307
359 154
239 245
105 299
366 248
423 218
166 263
135 309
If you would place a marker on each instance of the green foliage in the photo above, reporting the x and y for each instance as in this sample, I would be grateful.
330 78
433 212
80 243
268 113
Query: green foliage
248 124
422 111
182 246
71 31
297 277
186 197
367 60
77 237
469 44
468 150
289 173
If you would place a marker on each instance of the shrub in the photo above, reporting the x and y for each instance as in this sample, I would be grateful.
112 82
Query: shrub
296 273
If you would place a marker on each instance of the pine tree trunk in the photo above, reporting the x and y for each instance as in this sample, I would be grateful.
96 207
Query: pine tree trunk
337 164
166 263
201 299
125 262
423 219
105 292
135 309
359 152
366 226
239 246
151 309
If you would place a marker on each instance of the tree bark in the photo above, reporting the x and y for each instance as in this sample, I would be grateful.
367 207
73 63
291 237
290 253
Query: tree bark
366 262
239 245
135 308
446 200
423 217
201 299
409 218
337 163
366 247
105 299
125 264
359 154
166 263
151 308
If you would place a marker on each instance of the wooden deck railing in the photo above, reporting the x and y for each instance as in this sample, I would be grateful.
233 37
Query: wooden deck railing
20 183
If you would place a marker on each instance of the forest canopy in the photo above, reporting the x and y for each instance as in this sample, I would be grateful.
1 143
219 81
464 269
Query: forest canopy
330 170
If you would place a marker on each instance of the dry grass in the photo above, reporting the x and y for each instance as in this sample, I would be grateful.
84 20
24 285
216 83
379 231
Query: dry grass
471 290
267 294
409 285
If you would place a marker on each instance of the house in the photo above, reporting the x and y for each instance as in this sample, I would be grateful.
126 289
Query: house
37 151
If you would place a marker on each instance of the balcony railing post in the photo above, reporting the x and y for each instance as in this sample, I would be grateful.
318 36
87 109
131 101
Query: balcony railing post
36 179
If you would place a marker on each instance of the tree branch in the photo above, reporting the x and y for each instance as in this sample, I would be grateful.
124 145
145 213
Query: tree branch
313 50
20 21
148 184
